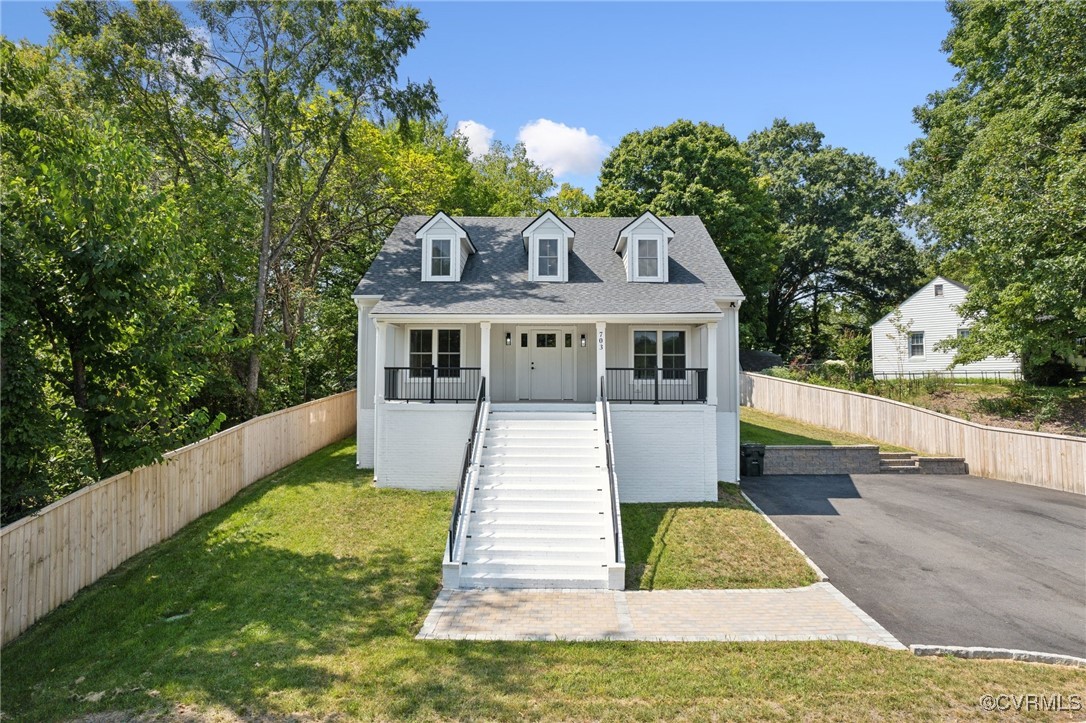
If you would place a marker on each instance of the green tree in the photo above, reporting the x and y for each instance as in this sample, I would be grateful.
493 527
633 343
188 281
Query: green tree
699 169
257 70
999 176
98 292
572 201
840 242
504 182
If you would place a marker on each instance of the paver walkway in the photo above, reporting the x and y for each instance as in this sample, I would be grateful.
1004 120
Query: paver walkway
817 612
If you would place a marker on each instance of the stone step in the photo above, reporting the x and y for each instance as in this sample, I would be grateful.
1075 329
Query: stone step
888 456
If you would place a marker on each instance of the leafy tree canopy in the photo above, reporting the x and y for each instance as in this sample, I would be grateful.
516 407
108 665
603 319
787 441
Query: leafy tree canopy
698 169
999 175
839 237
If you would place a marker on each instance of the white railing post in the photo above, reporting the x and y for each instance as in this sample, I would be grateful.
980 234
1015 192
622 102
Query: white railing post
601 351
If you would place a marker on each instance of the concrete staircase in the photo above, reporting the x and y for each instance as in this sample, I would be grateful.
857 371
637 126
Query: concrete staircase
899 463
540 512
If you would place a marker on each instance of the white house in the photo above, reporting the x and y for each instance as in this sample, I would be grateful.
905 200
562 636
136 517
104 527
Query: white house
547 369
903 342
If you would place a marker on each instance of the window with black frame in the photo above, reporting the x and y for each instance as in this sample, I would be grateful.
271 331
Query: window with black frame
673 355
421 352
448 352
644 359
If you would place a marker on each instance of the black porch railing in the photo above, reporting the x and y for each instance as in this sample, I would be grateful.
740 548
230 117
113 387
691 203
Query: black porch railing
658 386
432 384
465 468
612 475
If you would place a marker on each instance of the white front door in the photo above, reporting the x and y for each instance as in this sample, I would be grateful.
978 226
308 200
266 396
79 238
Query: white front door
545 363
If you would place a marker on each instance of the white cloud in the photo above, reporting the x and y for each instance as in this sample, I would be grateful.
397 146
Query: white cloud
561 148
477 135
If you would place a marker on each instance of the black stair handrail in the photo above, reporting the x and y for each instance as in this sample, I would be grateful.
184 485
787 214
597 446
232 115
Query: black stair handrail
612 476
465 470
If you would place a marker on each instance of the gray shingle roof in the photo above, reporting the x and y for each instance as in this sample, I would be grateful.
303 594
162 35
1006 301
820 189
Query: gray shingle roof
495 280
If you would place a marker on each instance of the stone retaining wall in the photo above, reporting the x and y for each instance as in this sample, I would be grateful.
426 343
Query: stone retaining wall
859 459
943 465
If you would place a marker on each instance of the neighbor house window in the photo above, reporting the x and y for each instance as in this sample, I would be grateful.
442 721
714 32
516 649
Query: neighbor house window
938 289
440 257
669 354
548 257
434 348
963 333
916 343
648 258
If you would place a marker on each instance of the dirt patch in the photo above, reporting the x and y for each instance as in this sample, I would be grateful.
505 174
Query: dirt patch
1061 412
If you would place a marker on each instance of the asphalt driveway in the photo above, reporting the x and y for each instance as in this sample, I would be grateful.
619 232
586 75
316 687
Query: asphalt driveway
944 559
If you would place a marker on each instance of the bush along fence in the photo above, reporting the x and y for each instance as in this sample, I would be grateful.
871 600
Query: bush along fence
1046 460
47 557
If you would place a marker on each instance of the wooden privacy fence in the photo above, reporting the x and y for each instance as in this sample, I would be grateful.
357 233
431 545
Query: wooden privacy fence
49 556
1045 460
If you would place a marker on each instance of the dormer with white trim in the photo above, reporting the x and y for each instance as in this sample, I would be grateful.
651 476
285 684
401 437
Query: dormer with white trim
445 248
549 242
643 247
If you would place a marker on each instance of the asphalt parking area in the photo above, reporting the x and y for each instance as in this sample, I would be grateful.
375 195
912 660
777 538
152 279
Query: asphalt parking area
944 559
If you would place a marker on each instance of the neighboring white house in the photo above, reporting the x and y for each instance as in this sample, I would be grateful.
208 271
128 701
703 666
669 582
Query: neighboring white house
903 342
586 334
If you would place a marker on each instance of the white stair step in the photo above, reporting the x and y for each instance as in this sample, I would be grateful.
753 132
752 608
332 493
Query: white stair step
539 457
524 514
485 580
543 416
493 508
575 496
525 568
484 549
499 425
599 529
538 538
586 442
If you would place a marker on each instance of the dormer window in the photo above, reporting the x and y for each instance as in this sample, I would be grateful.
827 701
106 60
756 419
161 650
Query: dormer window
648 258
548 258
440 258
548 241
445 248
643 248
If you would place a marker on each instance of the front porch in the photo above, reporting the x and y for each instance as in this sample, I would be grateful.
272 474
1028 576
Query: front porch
646 362
672 381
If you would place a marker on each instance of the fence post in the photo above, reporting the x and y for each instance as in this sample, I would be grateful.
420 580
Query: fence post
656 386
433 382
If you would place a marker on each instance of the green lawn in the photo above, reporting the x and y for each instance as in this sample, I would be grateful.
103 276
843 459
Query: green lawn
766 428
707 546
301 597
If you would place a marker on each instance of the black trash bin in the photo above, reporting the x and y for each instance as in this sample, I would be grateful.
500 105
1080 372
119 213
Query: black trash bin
752 460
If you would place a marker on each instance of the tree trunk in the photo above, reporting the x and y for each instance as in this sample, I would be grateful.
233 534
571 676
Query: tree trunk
79 395
252 384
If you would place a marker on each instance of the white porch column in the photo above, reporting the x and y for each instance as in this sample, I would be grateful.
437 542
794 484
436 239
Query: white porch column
484 355
379 360
713 372
601 353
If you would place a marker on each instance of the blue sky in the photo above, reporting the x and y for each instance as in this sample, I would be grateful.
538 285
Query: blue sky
570 79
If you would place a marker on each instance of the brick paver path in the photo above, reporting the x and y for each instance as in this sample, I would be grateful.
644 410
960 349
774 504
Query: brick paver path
817 612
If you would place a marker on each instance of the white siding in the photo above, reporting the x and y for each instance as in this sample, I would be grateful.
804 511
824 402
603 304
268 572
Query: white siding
938 318
665 453
421 446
